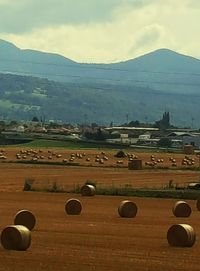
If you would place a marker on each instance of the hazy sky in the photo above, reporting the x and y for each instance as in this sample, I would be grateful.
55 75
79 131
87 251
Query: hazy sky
102 30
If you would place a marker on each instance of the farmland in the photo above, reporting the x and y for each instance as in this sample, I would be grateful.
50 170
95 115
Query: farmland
97 239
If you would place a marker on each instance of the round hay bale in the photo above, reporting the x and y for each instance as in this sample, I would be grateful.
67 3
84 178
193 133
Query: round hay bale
73 207
198 204
16 237
181 209
127 209
25 218
88 190
120 154
181 235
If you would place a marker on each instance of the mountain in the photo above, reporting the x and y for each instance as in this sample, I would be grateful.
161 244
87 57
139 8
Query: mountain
163 69
43 84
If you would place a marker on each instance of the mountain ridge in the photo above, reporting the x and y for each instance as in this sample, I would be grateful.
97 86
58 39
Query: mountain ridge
145 86
140 71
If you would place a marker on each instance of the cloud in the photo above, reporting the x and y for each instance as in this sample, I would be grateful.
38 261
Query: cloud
26 15
104 31
147 37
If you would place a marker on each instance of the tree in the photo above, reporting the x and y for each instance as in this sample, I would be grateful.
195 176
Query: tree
101 134
164 142
164 123
35 119
133 123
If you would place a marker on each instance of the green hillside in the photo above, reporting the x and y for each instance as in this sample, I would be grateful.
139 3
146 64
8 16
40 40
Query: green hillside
22 97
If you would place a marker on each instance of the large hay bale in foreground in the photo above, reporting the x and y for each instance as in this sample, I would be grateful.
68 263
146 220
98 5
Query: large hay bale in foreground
25 218
127 209
181 235
181 209
88 190
73 207
16 237
135 164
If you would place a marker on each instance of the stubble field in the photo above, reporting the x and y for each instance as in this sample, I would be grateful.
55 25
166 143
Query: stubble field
97 239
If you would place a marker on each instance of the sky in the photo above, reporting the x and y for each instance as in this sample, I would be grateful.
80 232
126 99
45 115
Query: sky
102 31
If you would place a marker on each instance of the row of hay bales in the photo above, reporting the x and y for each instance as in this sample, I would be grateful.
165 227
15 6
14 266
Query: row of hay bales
18 236
125 209
99 158
154 161
35 155
181 235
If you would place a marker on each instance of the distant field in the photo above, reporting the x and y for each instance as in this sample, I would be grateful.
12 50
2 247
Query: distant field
106 173
69 144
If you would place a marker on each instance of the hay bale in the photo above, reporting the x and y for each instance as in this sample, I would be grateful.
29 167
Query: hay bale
127 209
88 190
188 149
16 237
25 218
181 235
135 164
181 209
73 207
120 162
120 154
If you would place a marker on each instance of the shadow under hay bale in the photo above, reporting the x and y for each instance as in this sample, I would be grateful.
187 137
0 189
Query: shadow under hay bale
73 207
127 209
135 164
181 209
88 190
16 237
25 218
181 235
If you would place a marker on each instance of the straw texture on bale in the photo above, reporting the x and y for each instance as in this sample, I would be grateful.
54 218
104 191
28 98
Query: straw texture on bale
181 209
198 204
181 235
88 190
135 164
188 149
73 207
127 209
16 237
25 218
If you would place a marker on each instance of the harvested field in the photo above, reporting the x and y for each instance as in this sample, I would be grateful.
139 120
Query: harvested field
12 176
110 173
98 158
98 239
